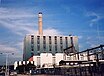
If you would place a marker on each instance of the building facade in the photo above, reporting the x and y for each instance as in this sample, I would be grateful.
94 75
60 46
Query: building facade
47 60
37 44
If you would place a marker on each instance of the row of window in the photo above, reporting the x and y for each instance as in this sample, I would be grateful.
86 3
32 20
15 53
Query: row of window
44 48
44 39
46 36
32 46
50 41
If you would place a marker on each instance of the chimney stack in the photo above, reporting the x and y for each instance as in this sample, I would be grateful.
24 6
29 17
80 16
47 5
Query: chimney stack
40 31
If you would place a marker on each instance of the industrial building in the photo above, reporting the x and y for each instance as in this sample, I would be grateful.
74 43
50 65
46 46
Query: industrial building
58 55
47 60
85 63
37 44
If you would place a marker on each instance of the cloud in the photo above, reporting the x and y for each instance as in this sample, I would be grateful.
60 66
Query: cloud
12 50
80 37
80 46
7 49
17 21
14 13
13 54
51 31
95 18
15 28
20 23
89 38
94 45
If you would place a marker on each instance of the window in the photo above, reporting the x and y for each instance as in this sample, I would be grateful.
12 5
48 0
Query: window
66 41
44 43
55 42
44 40
38 42
55 39
50 48
38 39
32 54
44 47
60 40
61 44
50 42
49 39
32 49
38 47
32 43
55 47
32 39
32 35
61 48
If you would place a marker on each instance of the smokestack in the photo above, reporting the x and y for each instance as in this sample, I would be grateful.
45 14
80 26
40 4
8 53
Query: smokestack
40 31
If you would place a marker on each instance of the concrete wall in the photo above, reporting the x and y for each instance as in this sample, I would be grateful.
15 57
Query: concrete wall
61 43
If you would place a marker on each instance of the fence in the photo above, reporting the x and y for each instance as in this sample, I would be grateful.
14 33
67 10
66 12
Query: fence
82 69
85 67
78 67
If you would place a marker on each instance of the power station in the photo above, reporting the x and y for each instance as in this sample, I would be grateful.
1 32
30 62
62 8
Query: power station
37 44
58 55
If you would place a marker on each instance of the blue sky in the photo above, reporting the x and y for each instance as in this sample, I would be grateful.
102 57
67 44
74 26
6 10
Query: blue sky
82 18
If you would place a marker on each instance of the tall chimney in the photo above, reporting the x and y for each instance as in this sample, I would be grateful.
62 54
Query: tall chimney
40 31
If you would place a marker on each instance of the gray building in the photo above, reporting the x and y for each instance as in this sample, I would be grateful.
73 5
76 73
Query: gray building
36 44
